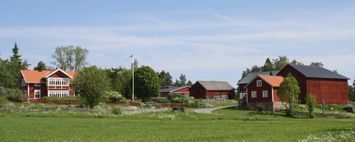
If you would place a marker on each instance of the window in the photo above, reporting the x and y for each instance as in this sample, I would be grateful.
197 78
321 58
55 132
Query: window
259 83
253 94
37 84
37 94
265 94
58 81
225 97
58 93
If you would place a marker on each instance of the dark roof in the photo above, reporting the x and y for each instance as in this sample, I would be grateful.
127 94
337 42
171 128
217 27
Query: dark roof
317 72
250 76
216 85
170 89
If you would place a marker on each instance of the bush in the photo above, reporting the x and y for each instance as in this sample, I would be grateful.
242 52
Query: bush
2 101
14 95
179 98
116 110
162 100
112 96
311 102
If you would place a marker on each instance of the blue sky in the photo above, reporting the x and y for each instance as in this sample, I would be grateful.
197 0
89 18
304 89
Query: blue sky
204 39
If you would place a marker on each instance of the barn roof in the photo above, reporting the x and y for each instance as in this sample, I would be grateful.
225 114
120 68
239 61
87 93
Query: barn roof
274 81
250 76
171 89
34 76
317 72
216 85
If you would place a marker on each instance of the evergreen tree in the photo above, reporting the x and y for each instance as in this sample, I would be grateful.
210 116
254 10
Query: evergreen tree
40 66
177 83
189 83
268 65
165 78
182 80
317 64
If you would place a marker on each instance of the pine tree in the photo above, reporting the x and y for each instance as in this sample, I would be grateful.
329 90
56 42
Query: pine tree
40 66
268 65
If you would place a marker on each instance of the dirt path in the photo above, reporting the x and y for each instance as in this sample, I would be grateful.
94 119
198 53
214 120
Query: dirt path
210 110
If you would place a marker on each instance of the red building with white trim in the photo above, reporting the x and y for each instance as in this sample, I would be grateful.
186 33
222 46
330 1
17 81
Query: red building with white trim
50 83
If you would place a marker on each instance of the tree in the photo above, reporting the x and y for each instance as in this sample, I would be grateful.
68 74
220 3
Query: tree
182 80
288 92
280 62
121 80
317 64
165 78
40 66
92 83
8 79
146 83
70 57
268 66
189 83
177 83
311 102
351 93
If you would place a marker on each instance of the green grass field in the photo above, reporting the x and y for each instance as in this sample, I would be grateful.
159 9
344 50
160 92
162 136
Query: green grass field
224 125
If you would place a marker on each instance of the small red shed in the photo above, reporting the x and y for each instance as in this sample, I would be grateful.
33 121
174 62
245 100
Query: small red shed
212 90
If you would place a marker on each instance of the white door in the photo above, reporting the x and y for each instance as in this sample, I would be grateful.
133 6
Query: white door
37 94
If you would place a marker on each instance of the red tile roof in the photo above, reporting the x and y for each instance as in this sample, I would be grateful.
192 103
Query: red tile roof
274 81
34 76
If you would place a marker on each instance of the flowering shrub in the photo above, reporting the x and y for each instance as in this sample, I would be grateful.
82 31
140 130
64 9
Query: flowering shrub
346 135
112 96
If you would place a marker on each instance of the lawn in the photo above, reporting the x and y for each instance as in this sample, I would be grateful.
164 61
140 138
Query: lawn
224 125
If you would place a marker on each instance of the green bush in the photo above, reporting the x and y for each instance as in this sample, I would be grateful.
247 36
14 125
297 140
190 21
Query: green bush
112 96
161 100
14 95
311 102
179 98
116 110
3 100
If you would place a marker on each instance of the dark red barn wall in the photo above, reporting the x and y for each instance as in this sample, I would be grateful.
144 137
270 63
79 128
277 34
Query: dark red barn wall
330 90
198 91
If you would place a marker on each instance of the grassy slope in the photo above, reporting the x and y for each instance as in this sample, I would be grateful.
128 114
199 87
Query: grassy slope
225 125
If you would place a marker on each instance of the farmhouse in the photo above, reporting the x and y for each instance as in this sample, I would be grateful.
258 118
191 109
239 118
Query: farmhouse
51 83
262 92
328 87
171 90
247 79
212 90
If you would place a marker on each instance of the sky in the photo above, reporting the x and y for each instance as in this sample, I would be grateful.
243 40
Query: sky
203 39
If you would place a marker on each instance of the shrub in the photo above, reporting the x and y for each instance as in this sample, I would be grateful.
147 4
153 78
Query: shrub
2 101
14 95
179 98
116 110
311 102
161 100
112 96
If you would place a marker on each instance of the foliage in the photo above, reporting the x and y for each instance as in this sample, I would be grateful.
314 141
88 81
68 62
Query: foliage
14 95
288 92
113 96
70 57
182 80
179 98
268 66
92 83
40 66
346 135
146 83
189 83
317 64
311 102
3 100
121 80
10 69
165 78
351 93
116 110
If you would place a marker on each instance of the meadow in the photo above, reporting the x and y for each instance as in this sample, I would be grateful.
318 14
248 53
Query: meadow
223 125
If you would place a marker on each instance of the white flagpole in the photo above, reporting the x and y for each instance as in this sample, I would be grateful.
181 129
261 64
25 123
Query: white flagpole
132 77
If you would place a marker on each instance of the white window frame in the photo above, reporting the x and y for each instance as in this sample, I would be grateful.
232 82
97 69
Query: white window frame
259 83
37 85
253 94
58 93
265 94
37 92
58 81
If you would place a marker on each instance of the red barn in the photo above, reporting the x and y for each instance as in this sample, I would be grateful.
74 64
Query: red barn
212 90
262 92
168 91
51 83
328 87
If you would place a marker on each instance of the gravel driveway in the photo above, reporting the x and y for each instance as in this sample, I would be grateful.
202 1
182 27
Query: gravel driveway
210 110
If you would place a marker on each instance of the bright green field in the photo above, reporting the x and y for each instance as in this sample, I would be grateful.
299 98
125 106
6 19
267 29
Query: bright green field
225 125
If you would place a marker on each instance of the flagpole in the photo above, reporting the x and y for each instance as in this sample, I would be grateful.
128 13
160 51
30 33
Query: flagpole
132 77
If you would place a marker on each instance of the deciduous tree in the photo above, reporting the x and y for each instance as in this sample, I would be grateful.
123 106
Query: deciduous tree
70 57
146 83
40 66
92 83
288 92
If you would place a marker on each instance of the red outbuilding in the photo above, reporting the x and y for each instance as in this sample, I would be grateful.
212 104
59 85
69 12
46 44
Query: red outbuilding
212 90
329 87
50 83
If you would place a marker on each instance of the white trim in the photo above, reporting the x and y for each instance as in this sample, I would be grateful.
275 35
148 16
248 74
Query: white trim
251 94
263 94
57 71
24 78
37 91
259 83
28 92
58 81
272 94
